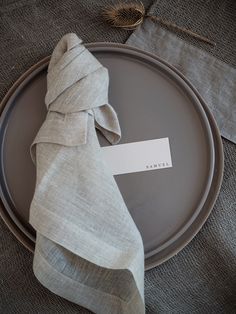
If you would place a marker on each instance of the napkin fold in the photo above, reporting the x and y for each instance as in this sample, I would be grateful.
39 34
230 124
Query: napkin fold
88 248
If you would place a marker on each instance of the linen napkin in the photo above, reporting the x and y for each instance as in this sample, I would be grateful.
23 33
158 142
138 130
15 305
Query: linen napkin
88 248
215 80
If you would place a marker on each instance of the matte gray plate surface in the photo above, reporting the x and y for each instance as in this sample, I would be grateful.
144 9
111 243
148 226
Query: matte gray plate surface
152 101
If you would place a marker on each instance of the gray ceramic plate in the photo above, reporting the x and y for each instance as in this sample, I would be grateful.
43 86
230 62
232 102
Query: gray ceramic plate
153 101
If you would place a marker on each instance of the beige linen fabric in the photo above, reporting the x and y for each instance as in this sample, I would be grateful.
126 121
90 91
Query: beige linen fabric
88 249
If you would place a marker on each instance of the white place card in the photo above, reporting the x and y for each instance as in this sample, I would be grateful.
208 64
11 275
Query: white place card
138 156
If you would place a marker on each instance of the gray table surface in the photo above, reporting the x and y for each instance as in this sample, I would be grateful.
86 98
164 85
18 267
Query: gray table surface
202 277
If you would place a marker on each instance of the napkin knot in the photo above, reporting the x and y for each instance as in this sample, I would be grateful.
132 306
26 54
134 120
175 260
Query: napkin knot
77 86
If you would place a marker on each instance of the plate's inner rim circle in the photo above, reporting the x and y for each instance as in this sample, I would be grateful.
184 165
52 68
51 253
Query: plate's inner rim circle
152 252
34 73
202 113
44 62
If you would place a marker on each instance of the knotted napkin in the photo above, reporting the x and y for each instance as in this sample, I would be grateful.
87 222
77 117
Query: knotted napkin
88 248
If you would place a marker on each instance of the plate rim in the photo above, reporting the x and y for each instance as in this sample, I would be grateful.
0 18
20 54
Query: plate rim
214 130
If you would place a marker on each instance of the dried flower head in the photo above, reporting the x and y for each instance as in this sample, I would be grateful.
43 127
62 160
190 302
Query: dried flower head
126 15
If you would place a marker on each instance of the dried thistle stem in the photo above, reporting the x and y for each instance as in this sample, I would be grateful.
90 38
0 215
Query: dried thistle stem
180 29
